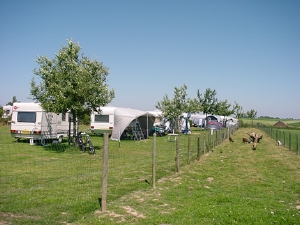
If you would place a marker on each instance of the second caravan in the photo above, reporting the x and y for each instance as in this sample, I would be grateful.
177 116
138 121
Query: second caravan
103 122
31 121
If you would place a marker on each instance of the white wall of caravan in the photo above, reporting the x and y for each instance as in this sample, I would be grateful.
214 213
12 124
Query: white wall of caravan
104 121
38 124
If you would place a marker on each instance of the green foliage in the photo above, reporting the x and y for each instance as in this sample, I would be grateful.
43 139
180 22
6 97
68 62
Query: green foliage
208 101
223 108
70 82
172 109
251 114
14 99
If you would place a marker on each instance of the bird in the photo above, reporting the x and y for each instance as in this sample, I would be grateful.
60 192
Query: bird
230 139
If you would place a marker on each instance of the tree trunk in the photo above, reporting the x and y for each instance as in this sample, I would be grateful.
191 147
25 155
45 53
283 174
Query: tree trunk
75 130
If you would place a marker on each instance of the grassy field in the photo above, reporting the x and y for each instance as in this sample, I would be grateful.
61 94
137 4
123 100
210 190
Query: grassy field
232 184
271 121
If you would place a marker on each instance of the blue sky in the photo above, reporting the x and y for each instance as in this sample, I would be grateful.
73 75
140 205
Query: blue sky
248 51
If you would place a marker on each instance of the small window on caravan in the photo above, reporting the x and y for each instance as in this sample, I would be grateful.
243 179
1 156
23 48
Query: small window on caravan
26 117
102 118
63 116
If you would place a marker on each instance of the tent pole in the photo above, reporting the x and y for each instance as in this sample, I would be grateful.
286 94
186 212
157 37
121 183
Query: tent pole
147 127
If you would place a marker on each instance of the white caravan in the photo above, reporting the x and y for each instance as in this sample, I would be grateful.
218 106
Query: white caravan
103 122
30 121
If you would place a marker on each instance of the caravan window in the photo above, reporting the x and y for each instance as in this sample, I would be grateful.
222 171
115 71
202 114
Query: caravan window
27 117
102 118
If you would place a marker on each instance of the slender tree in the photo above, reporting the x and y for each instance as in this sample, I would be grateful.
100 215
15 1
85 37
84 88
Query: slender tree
172 109
14 99
252 114
238 110
208 101
71 82
223 109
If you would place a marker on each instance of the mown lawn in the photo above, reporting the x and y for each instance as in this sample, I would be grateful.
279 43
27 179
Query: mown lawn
233 184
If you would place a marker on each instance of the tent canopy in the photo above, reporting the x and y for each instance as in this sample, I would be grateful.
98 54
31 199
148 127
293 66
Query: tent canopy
123 117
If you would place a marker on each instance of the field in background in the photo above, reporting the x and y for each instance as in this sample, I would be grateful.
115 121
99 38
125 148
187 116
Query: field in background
271 122
230 185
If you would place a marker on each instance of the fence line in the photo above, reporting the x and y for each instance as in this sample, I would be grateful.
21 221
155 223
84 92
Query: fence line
289 139
186 148
67 177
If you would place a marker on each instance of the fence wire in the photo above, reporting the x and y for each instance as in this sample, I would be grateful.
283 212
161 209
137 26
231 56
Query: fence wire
56 180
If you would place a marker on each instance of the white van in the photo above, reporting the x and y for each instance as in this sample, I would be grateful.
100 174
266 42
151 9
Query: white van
103 122
30 121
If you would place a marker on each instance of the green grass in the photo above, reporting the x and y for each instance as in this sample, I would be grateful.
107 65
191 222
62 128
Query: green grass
271 121
231 185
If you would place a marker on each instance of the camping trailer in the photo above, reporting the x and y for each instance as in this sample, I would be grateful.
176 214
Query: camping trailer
31 121
7 110
103 122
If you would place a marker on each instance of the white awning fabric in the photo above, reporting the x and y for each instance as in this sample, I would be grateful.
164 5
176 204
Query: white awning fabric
124 117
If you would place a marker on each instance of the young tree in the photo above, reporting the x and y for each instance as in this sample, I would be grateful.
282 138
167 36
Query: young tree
172 109
14 99
223 109
208 101
238 110
252 114
71 83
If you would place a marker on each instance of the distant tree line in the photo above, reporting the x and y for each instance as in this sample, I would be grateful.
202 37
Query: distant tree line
206 103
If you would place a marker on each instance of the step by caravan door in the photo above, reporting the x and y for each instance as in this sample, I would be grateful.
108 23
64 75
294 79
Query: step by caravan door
49 125
63 124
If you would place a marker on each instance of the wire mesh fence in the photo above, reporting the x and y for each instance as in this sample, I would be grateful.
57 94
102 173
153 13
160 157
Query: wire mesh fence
59 182
289 138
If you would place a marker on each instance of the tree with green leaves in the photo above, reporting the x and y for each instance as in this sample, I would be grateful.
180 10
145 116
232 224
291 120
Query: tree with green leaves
172 109
207 101
223 109
14 99
71 82
252 114
238 110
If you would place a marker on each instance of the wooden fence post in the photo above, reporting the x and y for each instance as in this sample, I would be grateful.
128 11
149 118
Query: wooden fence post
177 155
104 172
189 150
290 141
297 144
153 161
204 147
198 148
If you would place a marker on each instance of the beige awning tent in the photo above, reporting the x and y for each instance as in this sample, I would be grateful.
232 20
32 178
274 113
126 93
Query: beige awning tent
123 117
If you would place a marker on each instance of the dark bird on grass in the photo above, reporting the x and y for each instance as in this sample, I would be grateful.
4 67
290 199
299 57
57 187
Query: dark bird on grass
147 182
230 139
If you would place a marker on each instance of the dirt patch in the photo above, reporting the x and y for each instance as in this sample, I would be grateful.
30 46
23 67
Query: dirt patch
210 179
6 215
112 215
133 212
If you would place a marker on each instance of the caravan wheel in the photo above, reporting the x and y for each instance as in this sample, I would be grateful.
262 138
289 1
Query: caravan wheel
60 139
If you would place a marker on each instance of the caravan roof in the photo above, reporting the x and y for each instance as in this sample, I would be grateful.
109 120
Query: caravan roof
27 106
